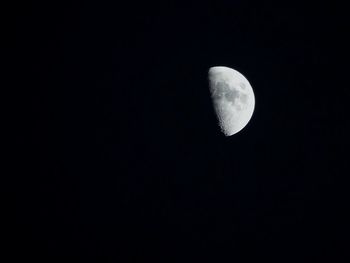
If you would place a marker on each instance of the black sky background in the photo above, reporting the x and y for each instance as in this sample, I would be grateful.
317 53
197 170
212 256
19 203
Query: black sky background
118 157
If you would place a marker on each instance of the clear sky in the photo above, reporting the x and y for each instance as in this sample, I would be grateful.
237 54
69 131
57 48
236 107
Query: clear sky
120 158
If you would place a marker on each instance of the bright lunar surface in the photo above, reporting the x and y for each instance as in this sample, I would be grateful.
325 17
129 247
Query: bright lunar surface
233 99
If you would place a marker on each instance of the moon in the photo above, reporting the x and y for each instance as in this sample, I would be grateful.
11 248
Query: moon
233 99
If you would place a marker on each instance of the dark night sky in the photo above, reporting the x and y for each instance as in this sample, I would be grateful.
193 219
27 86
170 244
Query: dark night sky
118 154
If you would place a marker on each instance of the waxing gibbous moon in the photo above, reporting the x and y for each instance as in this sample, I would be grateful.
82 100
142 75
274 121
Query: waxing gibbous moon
233 99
